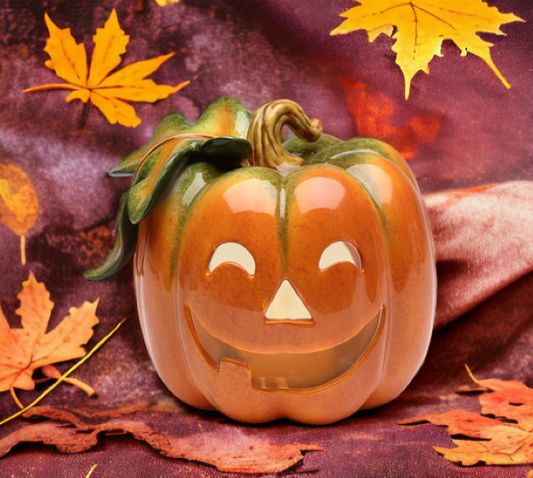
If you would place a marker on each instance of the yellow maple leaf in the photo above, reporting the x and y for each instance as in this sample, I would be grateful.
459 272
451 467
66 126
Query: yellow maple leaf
26 349
164 3
420 26
97 84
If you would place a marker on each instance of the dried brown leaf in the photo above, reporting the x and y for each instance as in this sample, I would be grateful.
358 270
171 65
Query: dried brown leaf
240 452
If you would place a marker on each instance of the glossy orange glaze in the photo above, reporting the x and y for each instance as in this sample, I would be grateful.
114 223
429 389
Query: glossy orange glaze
369 330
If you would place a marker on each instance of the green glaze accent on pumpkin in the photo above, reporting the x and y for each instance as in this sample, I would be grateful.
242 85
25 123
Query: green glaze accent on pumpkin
177 204
307 150
170 215
362 146
224 117
123 247
197 179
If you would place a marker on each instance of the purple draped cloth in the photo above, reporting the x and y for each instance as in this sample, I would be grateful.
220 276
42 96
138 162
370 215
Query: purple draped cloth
461 129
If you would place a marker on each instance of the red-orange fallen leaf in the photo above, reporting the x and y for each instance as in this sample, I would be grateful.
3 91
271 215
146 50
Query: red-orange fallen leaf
497 443
374 115
240 452
509 399
25 349
504 440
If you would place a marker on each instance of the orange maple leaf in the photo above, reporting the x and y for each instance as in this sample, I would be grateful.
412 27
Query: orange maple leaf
97 84
506 439
19 204
25 349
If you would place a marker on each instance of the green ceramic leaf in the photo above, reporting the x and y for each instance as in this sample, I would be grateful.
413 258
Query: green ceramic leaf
168 127
225 117
123 247
225 152
155 174
165 163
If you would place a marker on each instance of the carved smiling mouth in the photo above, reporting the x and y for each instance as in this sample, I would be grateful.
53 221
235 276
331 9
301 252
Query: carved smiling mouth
291 370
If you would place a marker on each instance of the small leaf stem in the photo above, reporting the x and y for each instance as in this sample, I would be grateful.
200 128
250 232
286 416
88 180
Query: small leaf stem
91 471
51 372
15 398
84 114
23 249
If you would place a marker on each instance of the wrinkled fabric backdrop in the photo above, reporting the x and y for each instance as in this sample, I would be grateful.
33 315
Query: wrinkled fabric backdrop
460 129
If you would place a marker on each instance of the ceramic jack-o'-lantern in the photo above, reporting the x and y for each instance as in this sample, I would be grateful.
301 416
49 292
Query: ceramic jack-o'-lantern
276 279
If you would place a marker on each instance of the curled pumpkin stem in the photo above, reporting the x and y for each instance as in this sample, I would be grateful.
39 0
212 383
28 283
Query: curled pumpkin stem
266 134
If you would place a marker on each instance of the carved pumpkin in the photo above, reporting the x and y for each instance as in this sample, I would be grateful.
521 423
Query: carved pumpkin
300 284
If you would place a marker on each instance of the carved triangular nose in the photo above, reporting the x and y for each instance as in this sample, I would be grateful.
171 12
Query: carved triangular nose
287 305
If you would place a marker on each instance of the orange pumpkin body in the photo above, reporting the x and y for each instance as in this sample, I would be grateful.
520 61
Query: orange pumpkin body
301 285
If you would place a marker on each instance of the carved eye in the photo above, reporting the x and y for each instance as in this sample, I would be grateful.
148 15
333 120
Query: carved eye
233 253
340 251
